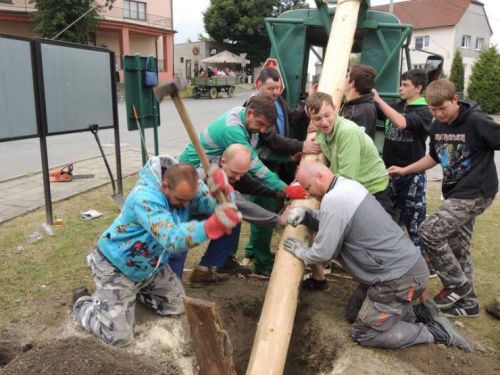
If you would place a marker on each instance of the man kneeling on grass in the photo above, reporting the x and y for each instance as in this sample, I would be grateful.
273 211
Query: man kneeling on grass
353 228
131 258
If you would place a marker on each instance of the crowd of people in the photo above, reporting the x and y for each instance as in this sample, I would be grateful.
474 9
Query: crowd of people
366 201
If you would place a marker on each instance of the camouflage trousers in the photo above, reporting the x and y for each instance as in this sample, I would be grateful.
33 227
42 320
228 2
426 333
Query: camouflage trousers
446 235
110 312
408 196
386 318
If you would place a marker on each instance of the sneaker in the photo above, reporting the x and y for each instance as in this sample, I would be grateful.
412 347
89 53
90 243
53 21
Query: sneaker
231 266
493 308
459 310
312 284
447 297
203 276
426 312
444 333
80 292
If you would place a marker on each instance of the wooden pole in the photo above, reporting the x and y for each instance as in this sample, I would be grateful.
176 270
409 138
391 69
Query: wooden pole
278 312
338 50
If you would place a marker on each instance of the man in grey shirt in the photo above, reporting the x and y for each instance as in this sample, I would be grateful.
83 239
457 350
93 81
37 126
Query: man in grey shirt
353 228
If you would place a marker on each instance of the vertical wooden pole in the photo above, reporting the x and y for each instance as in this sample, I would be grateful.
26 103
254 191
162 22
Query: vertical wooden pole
278 312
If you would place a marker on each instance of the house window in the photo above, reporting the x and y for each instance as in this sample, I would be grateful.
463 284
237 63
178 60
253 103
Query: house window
422 42
466 41
134 10
479 43
91 39
182 59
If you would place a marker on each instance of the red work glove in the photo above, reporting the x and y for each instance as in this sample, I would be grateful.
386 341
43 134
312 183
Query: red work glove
217 180
298 157
225 217
295 191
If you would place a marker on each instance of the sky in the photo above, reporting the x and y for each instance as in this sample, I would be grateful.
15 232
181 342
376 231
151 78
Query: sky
188 17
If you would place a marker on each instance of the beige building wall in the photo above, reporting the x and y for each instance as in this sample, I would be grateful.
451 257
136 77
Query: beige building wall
17 28
441 41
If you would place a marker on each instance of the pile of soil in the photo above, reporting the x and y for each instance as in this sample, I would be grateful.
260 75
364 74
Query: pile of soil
320 340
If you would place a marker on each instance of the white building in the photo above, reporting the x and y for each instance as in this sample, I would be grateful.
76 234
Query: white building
442 27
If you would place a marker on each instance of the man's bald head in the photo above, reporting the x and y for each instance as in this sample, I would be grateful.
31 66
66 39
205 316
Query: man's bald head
235 161
314 177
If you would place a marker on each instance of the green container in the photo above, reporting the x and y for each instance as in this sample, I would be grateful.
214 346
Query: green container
138 95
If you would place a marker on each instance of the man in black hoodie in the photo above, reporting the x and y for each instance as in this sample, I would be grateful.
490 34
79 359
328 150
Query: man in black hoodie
407 123
463 139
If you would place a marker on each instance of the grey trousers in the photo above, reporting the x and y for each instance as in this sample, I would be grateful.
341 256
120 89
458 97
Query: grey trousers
386 318
447 234
110 312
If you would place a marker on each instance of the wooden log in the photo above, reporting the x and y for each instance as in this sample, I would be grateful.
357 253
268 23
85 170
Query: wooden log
275 326
214 351
338 50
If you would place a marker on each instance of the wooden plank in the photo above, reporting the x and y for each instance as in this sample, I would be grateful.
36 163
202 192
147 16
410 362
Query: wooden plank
214 351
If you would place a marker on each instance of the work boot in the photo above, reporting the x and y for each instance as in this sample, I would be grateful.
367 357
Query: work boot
447 297
493 308
426 312
80 292
231 266
444 333
313 284
203 276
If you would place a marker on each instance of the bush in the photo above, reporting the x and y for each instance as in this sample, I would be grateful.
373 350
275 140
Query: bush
457 71
484 86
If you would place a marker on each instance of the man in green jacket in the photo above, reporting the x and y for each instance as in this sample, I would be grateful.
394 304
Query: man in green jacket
238 125
351 153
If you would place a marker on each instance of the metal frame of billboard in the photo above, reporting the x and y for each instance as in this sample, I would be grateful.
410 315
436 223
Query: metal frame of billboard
41 111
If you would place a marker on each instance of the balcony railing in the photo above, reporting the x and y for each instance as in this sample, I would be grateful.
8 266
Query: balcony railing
18 6
150 19
115 13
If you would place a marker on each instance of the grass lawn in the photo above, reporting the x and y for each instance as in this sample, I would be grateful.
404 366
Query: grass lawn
50 268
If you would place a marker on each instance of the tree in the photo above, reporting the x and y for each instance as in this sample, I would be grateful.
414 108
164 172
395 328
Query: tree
241 23
484 86
457 71
53 16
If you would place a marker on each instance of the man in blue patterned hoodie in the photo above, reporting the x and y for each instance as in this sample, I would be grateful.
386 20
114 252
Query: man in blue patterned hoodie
131 258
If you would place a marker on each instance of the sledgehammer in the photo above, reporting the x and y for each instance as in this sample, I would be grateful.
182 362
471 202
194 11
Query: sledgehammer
172 88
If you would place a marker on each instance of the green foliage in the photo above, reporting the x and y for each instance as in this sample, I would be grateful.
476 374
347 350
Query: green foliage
457 71
484 86
241 23
53 16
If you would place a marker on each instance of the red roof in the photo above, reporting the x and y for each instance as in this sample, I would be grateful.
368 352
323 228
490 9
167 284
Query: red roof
424 14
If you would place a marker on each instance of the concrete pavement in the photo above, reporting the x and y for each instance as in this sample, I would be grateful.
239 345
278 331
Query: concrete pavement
25 193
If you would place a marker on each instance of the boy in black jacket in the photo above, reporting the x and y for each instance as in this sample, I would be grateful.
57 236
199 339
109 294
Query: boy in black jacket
407 124
359 106
463 139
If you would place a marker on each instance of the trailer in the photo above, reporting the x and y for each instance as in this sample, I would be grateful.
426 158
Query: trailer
212 86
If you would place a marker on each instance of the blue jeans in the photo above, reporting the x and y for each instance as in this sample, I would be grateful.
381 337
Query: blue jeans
215 255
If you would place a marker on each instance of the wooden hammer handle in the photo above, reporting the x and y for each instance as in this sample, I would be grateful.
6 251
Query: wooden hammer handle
186 120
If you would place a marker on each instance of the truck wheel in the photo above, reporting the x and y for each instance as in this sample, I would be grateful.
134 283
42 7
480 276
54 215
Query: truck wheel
230 91
196 93
212 93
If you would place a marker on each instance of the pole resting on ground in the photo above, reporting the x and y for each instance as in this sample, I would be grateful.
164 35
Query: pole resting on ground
278 313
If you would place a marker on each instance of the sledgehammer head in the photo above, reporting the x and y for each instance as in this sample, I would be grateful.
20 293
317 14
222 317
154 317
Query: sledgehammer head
171 88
